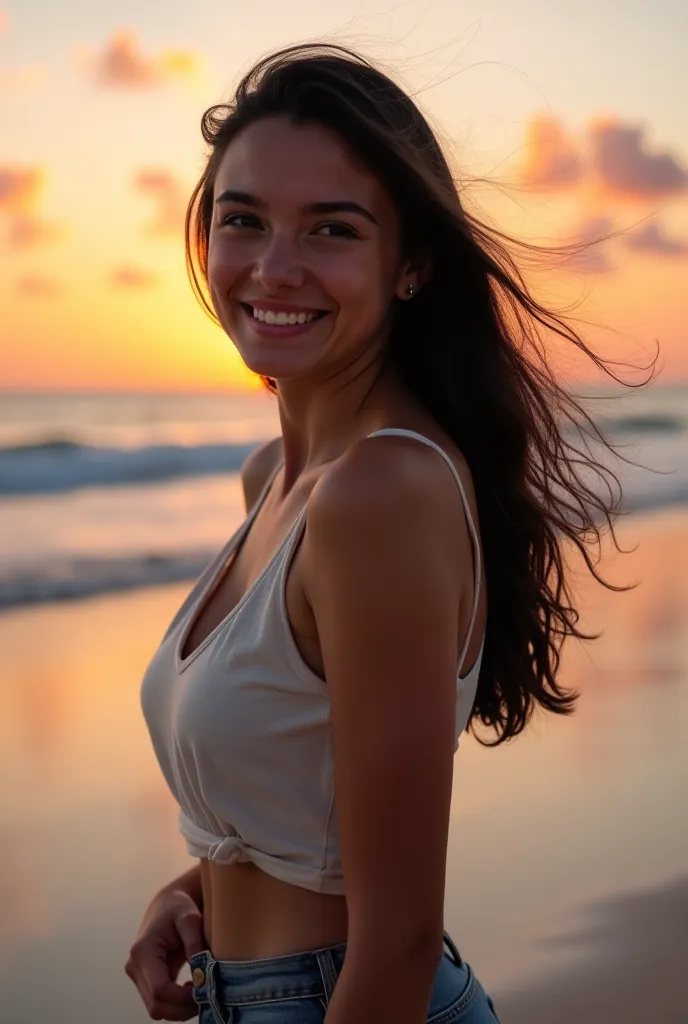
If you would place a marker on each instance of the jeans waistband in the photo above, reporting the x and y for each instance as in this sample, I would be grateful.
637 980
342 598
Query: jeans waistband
223 983
311 973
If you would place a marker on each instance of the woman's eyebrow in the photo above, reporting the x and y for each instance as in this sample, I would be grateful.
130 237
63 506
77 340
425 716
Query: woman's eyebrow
332 206
231 196
341 206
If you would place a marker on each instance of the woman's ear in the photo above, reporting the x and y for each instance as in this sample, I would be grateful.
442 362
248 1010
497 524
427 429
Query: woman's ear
414 274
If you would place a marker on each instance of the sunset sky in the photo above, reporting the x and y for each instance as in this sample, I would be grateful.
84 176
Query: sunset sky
575 110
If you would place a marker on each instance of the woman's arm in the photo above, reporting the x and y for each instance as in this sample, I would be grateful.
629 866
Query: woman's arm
384 545
190 883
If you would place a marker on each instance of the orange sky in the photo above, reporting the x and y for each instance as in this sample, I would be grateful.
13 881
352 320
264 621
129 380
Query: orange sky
99 121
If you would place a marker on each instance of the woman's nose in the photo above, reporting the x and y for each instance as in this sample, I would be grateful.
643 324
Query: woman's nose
278 264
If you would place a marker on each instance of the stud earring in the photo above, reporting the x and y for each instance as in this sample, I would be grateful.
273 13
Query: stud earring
410 290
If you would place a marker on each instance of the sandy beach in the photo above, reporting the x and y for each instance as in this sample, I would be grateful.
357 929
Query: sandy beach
567 885
632 968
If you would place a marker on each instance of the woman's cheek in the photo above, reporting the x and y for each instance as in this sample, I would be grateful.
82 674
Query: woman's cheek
218 289
354 284
222 268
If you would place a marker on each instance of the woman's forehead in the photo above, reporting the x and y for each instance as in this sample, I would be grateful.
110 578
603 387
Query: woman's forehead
275 159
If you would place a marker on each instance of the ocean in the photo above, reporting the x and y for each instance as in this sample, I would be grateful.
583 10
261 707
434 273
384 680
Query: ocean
566 880
107 492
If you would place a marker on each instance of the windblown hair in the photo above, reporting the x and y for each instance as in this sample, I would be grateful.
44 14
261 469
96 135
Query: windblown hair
469 348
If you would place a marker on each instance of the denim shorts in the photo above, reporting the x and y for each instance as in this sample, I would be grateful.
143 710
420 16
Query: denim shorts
296 989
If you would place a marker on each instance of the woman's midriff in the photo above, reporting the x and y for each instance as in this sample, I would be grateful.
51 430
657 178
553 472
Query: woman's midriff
249 915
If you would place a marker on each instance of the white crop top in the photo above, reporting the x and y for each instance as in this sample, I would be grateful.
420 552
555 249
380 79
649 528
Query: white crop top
241 727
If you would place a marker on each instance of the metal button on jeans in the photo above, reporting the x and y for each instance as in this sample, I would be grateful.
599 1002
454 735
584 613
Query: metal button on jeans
198 976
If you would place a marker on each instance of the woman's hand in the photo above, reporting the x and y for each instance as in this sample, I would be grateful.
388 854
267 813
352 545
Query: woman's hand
171 932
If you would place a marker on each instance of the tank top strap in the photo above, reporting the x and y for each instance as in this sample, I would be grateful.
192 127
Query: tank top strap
477 572
238 537
255 508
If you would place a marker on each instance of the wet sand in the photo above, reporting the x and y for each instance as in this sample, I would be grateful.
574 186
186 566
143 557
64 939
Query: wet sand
633 968
568 849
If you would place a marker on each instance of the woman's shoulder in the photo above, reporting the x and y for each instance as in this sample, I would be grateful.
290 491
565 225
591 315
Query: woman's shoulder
384 531
380 478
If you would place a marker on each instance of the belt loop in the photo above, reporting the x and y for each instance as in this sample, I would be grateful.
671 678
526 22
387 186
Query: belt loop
328 972
453 950
212 995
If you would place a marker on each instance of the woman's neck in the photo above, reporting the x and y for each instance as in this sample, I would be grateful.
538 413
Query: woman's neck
320 421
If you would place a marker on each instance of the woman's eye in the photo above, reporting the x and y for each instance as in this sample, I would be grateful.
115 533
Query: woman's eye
341 230
234 220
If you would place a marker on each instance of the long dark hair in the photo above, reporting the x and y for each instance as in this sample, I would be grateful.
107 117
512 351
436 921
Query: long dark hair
469 348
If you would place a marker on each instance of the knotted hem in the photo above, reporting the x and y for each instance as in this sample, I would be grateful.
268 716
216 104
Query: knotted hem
232 849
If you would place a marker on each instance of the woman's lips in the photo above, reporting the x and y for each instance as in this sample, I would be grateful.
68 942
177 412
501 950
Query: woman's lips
281 330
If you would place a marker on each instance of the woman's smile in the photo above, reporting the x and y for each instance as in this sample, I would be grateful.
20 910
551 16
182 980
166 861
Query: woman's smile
277 319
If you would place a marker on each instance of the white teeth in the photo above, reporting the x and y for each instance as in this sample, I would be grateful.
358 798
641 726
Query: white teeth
268 316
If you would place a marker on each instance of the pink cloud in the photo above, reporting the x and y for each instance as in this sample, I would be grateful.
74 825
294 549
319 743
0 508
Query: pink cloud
38 286
551 158
612 158
623 164
652 239
132 277
25 231
19 186
170 199
20 190
123 65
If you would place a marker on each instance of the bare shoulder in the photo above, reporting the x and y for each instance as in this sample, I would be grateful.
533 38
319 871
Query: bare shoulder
392 482
387 520
257 468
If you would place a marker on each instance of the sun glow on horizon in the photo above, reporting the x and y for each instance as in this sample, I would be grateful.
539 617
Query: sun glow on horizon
93 288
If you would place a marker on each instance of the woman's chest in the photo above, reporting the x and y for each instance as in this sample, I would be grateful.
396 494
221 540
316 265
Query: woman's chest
251 557
254 613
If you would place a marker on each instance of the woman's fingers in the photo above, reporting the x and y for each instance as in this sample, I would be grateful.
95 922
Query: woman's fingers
171 933
163 997
173 1002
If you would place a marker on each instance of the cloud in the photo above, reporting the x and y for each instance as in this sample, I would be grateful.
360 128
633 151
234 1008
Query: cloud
551 158
20 190
132 277
38 286
123 65
19 186
611 159
170 197
622 163
652 239
25 231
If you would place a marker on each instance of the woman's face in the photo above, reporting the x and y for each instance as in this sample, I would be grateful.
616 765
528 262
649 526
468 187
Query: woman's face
303 233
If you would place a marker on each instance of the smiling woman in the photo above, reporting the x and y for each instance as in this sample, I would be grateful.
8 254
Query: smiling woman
292 210
399 576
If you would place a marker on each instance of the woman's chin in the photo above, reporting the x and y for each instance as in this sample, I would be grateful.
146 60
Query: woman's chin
282 365
278 369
